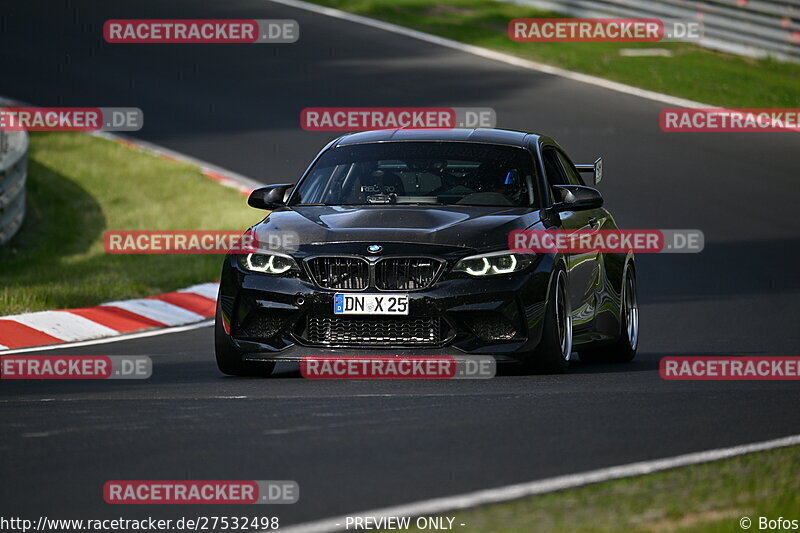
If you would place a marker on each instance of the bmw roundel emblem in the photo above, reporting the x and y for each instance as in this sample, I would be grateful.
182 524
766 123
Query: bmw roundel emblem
374 248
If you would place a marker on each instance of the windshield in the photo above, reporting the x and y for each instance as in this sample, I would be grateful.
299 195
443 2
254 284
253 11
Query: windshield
420 173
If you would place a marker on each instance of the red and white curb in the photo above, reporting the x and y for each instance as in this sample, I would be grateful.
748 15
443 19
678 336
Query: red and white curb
185 306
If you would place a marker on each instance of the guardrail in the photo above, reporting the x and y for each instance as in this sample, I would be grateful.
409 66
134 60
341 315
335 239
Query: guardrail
757 28
13 175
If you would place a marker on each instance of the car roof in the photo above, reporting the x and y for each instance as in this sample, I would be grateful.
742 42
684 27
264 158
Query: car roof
483 135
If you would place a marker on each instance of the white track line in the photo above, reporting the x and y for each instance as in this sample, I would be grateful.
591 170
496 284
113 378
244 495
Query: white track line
118 338
521 490
496 56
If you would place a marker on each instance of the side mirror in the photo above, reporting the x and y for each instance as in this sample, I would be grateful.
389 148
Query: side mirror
576 198
270 197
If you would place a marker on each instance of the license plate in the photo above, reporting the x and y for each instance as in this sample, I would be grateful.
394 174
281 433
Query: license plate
370 304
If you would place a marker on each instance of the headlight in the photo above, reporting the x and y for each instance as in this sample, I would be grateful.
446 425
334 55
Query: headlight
494 264
274 264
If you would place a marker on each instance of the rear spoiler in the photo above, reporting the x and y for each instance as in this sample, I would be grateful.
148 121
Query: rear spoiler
596 168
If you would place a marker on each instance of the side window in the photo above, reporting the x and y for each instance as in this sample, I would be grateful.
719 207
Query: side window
554 171
573 174
552 167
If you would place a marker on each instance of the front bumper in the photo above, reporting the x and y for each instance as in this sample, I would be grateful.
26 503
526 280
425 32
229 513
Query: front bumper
276 319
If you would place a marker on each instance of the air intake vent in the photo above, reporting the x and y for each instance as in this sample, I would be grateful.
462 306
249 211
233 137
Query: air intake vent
490 326
373 331
263 323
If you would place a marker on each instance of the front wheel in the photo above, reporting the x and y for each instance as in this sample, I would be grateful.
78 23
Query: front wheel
229 359
554 350
624 349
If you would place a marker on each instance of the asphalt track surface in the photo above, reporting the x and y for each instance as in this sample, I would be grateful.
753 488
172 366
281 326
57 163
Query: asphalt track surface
357 445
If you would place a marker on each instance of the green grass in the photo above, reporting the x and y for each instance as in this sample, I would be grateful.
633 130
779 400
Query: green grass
705 498
693 72
79 186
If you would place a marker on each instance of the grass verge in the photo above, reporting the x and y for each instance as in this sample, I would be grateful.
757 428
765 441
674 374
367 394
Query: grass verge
80 186
706 498
692 72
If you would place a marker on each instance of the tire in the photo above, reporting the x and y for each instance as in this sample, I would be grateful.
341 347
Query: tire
624 349
229 359
552 355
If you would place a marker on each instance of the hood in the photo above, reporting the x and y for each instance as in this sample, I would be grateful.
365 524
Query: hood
473 227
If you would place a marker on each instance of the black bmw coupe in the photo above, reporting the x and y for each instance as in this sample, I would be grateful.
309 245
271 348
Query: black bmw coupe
402 248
